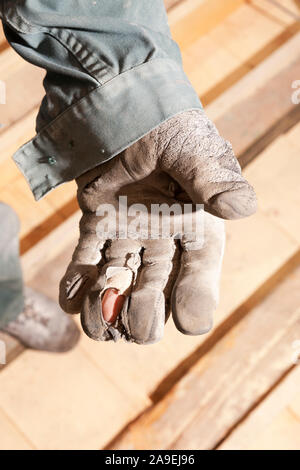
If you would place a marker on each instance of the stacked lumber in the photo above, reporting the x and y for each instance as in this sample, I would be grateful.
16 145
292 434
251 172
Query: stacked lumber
236 387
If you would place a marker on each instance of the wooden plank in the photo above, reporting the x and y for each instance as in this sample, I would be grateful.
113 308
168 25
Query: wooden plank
241 42
45 276
47 249
265 92
14 136
191 19
32 215
277 181
282 434
273 65
177 347
282 11
294 406
55 207
24 87
171 3
13 349
24 91
272 422
11 437
219 390
208 65
11 63
256 28
63 402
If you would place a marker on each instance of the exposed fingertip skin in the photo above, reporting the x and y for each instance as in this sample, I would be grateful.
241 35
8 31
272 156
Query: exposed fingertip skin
112 303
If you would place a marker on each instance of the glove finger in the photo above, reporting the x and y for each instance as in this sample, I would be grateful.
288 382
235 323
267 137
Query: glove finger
204 165
82 272
196 291
146 312
122 260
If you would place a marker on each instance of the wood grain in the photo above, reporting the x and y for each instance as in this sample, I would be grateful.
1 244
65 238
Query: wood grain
13 349
226 383
273 425
171 3
265 92
64 401
191 19
230 58
11 437
234 47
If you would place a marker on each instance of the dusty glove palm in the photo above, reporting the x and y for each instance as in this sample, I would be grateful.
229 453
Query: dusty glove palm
184 160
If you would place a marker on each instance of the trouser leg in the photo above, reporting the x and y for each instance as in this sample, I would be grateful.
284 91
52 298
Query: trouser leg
11 281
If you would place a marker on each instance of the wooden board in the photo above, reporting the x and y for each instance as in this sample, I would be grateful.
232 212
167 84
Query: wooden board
24 128
226 383
265 92
260 252
11 437
64 401
12 349
277 181
222 57
24 88
191 19
13 136
171 3
274 424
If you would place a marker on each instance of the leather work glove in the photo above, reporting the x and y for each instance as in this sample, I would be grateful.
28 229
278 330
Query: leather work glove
139 278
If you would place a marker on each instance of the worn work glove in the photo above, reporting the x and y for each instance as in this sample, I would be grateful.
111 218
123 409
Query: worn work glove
139 279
